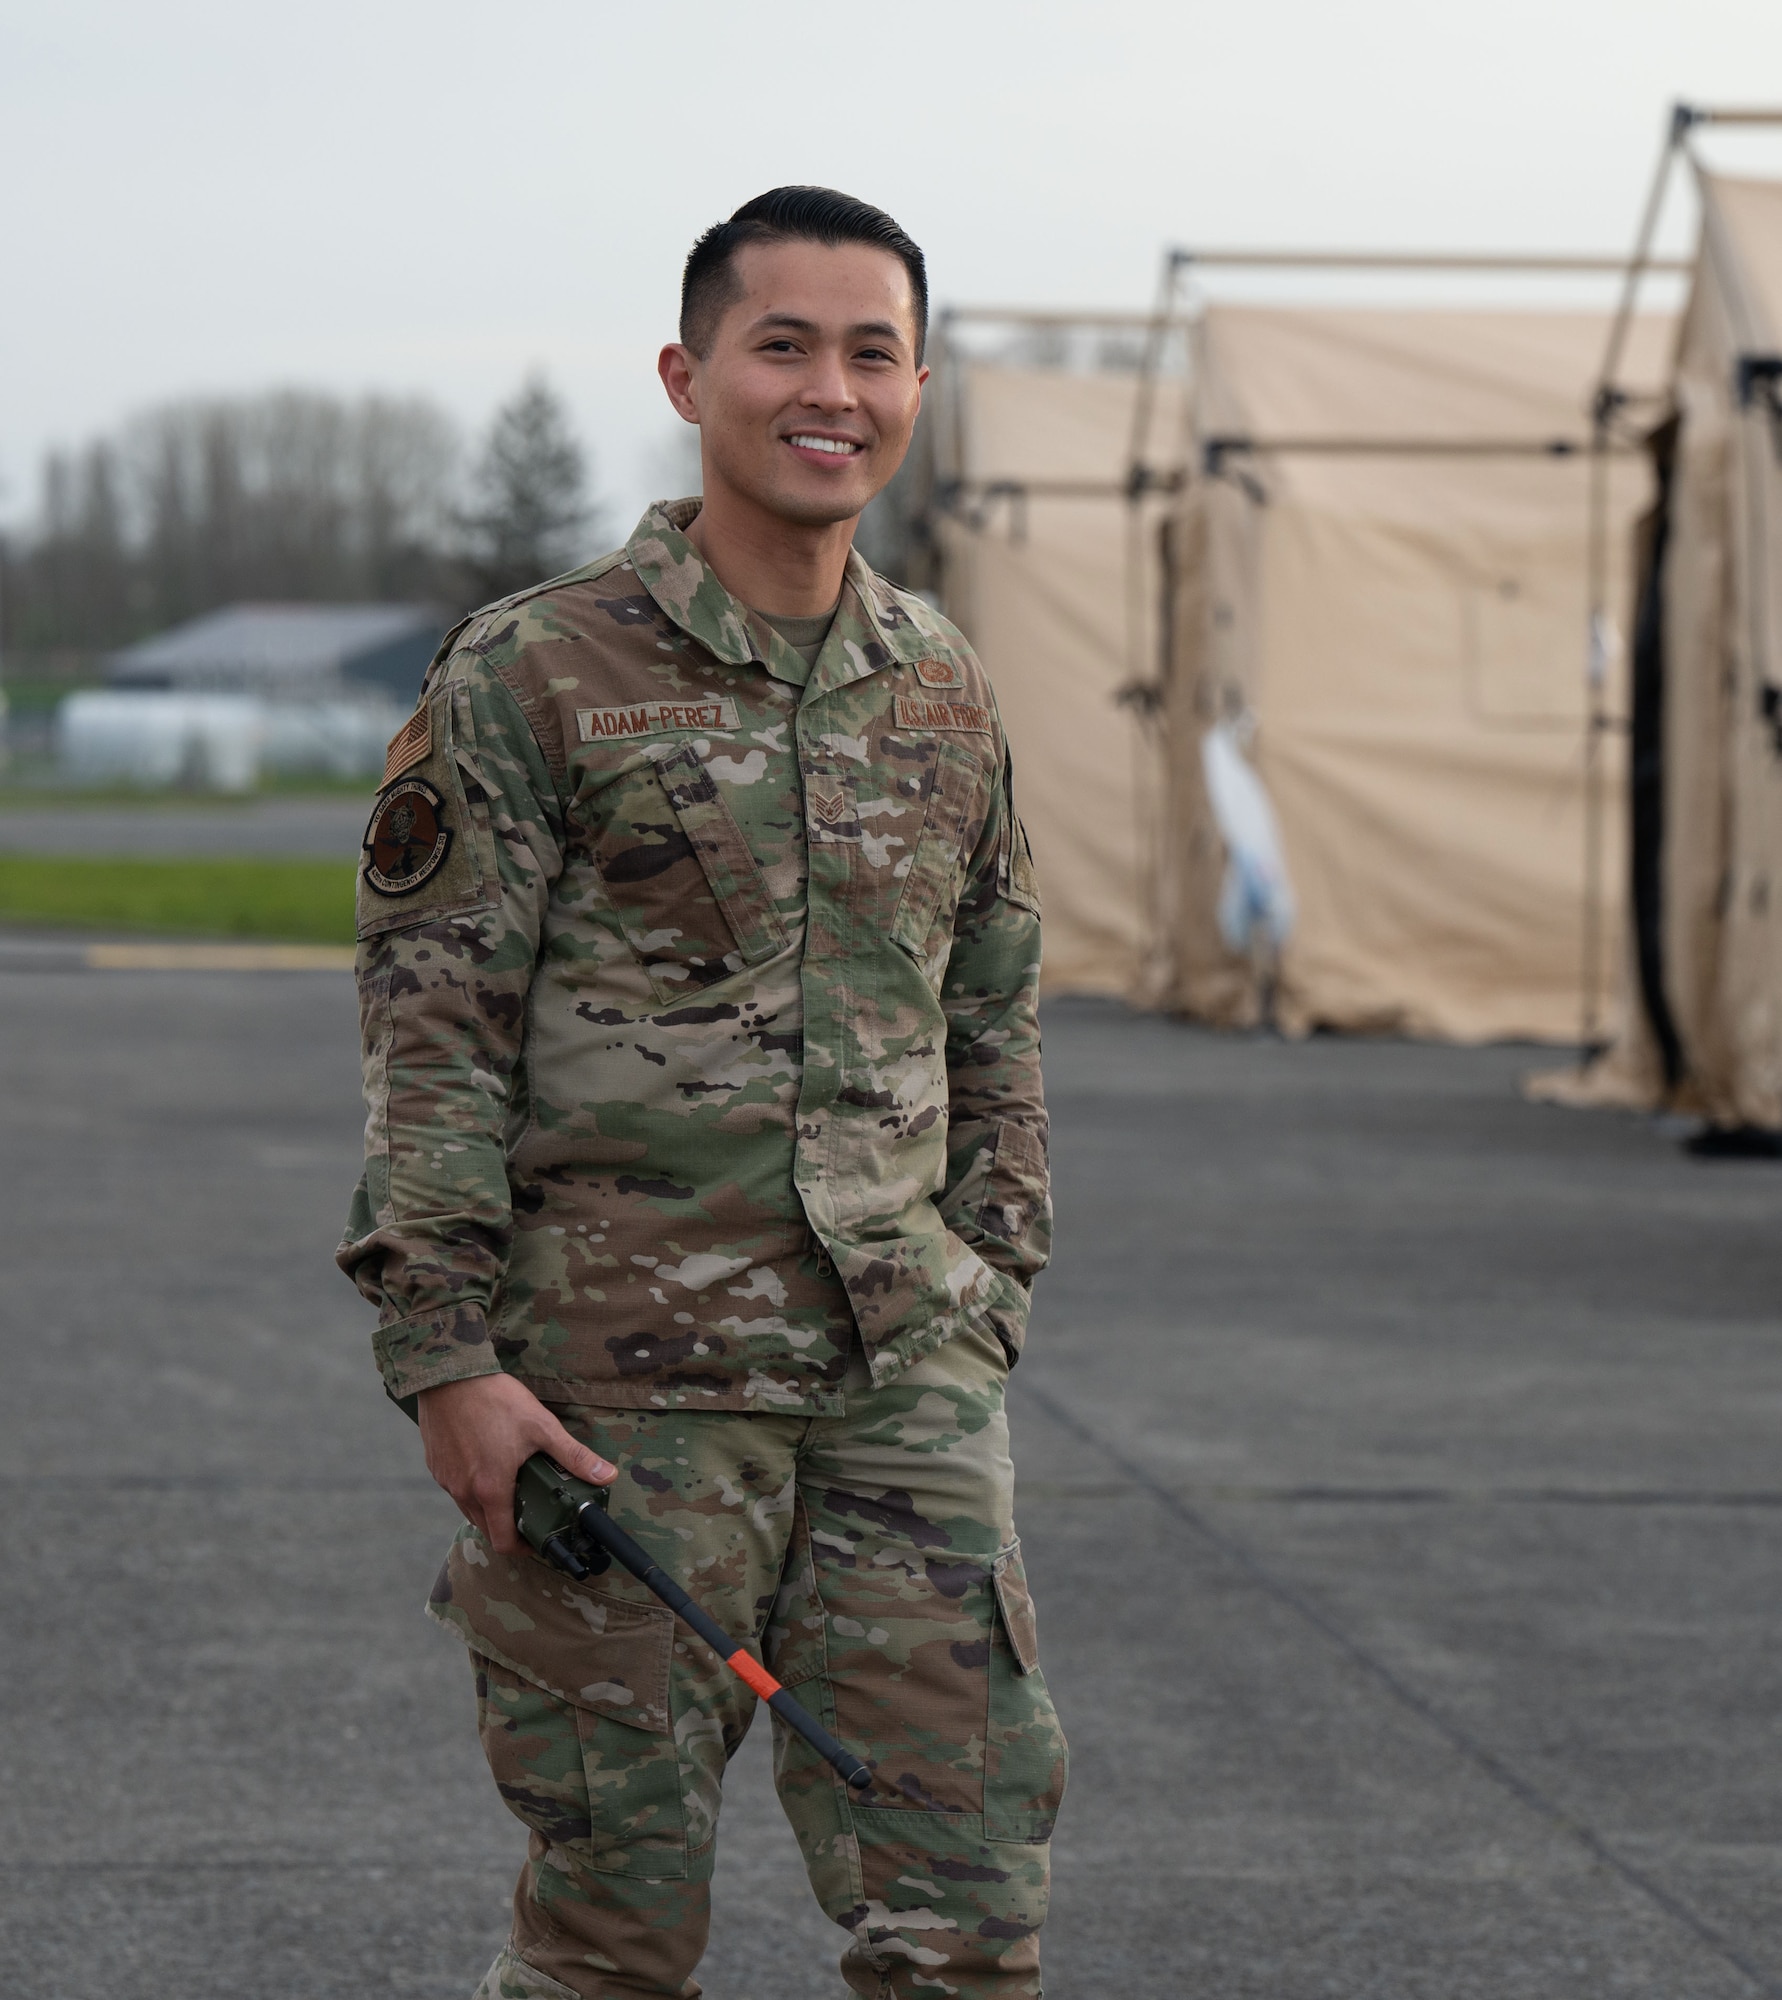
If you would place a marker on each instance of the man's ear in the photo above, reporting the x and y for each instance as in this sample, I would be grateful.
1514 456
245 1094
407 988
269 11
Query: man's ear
678 367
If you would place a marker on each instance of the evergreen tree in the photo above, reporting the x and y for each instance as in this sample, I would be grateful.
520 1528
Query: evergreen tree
530 514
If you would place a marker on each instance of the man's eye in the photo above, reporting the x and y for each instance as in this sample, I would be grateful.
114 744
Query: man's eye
874 354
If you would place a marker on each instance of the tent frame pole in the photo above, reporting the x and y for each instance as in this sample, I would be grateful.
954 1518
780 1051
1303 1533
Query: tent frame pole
1146 677
1608 404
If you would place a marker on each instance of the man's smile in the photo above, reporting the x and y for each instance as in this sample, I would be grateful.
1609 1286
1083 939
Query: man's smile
825 447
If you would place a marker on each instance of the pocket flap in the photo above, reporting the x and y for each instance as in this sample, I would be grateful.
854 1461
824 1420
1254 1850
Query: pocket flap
584 1645
1015 1603
937 868
731 870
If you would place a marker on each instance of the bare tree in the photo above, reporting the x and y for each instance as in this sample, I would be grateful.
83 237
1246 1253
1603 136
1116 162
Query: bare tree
529 514
289 495
79 588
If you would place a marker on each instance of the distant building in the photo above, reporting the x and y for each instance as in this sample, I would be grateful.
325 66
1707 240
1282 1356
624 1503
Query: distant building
290 652
254 691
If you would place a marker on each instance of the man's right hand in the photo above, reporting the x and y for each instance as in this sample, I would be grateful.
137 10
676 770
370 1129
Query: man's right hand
479 1432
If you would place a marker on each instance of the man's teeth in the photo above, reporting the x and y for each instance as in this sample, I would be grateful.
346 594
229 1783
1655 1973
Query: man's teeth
841 446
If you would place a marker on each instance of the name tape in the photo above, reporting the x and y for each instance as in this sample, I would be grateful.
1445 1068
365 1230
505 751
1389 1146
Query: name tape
651 718
929 711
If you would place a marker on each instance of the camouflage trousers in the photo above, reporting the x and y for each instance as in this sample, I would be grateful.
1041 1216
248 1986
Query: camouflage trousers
873 1558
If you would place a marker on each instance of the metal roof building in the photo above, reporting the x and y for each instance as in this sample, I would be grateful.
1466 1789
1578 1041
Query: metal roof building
290 652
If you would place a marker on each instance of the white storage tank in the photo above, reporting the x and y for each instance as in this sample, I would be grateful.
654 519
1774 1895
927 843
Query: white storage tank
333 739
200 742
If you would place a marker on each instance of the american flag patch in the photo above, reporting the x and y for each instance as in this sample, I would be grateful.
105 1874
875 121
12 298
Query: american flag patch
409 745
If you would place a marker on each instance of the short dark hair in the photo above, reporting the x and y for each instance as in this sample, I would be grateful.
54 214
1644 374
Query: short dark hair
788 214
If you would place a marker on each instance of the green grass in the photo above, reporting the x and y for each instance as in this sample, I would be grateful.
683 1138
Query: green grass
296 902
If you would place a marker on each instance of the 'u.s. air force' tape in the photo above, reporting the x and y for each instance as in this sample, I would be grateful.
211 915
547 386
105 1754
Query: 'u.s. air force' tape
932 711
651 718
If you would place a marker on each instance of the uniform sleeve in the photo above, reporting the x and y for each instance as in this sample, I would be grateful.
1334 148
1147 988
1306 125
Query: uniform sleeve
448 936
997 1196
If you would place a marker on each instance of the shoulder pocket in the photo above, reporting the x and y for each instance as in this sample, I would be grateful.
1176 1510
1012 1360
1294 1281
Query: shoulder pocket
1022 885
429 849
1016 878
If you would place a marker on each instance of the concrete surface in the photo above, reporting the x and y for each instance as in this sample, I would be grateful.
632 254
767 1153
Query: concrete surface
325 827
1400 1487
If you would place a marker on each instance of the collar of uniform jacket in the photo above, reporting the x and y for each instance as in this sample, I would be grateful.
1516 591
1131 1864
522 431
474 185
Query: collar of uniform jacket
672 570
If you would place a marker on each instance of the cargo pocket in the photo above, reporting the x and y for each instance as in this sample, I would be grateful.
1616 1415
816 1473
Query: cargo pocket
923 924
608 1791
597 1665
1025 1760
689 894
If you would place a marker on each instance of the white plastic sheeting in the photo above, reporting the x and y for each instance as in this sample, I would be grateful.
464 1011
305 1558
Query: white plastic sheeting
336 739
1256 897
200 742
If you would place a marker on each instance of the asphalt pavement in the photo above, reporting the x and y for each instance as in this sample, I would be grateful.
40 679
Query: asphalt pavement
1400 1488
327 826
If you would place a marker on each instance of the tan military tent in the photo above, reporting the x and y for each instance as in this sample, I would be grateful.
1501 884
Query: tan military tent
1704 1018
1381 576
1376 574
1033 540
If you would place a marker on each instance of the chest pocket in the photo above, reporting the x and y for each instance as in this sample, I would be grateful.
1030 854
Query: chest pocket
688 891
958 796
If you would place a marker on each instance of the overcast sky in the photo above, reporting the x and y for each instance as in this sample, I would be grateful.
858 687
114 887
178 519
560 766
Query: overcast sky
434 195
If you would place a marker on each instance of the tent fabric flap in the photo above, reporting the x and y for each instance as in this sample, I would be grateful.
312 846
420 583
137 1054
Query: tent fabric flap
1037 581
1382 571
1708 871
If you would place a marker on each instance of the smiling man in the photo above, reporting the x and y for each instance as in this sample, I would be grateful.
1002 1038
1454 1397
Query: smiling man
707 1152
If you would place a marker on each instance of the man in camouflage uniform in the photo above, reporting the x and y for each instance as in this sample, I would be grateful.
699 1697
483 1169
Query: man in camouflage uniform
706 1142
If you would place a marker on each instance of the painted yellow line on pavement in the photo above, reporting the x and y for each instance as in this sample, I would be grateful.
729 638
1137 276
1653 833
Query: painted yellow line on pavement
219 957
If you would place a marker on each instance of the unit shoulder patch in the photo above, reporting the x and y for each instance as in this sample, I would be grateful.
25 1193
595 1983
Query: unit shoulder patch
654 718
932 712
412 742
408 840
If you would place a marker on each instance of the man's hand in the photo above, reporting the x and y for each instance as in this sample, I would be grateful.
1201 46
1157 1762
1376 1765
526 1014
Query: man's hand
479 1432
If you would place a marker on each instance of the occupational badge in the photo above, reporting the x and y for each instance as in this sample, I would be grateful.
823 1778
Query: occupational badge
407 840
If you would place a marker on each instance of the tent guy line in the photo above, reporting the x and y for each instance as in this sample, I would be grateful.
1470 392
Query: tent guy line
1459 1738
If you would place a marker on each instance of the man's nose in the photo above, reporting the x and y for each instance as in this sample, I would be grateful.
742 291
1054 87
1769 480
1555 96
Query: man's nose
829 386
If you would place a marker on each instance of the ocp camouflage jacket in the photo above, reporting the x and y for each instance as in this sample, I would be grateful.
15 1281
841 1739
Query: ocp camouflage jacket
698 1006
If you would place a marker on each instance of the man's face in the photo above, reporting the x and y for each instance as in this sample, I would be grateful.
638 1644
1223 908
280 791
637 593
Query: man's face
807 396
